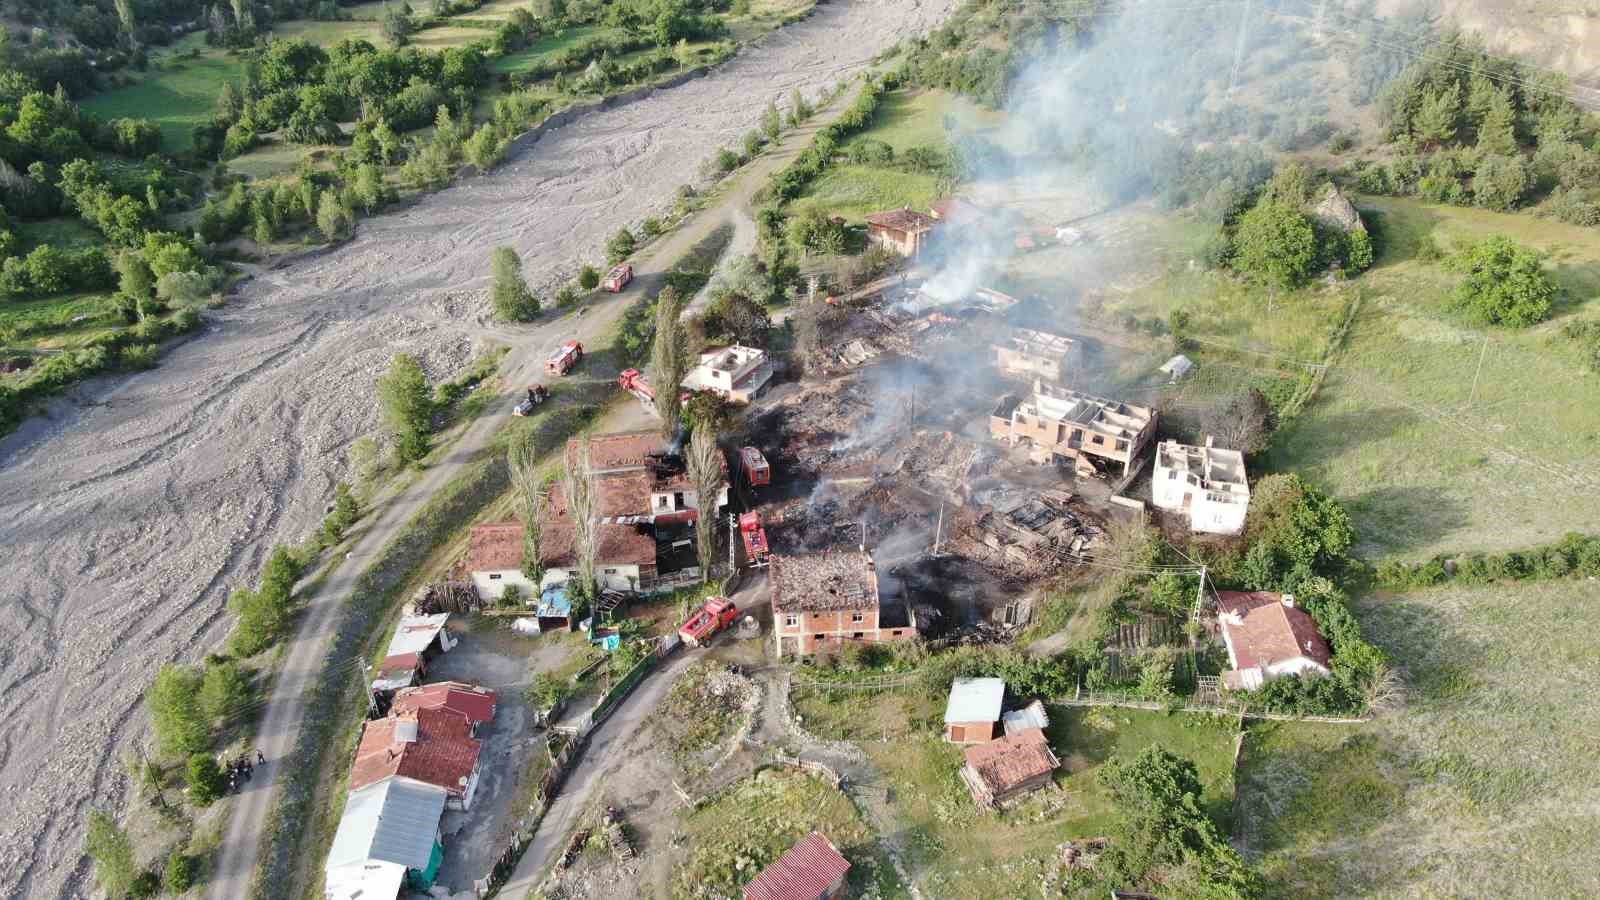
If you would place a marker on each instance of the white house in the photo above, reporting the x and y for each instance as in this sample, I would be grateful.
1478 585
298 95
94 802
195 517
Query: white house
625 558
1268 636
494 560
736 374
388 838
1207 484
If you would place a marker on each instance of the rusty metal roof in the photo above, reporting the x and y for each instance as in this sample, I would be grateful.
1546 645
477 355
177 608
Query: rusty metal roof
804 872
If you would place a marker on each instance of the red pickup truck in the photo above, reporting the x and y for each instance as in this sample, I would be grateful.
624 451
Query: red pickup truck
717 614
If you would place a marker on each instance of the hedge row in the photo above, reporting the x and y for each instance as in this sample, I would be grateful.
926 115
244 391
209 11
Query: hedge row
1575 554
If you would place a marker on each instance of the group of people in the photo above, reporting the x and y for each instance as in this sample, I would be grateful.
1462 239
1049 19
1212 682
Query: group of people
239 770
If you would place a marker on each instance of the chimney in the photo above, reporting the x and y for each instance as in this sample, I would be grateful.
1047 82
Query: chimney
1288 600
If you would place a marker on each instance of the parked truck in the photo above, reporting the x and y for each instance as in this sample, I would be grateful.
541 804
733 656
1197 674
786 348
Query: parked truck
756 552
717 614
618 278
756 470
565 358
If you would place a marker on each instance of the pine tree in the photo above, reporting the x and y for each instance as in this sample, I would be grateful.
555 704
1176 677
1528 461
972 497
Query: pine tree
1439 115
512 300
1497 130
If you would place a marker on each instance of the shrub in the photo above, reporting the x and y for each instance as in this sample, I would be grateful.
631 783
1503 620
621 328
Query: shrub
178 876
1275 243
206 783
1505 284
620 246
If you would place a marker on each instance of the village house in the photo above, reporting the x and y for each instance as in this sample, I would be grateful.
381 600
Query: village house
625 556
476 703
1206 484
387 841
638 479
416 640
737 374
812 869
973 710
822 600
433 746
1033 354
903 231
1000 771
1268 636
1061 425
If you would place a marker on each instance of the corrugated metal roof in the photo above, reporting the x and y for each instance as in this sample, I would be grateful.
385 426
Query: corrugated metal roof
803 873
1030 716
395 821
415 633
975 700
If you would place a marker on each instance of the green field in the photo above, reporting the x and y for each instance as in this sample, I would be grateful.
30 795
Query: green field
1426 462
1483 786
176 94
544 48
957 852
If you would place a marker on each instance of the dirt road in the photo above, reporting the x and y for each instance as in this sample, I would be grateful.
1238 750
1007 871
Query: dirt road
135 506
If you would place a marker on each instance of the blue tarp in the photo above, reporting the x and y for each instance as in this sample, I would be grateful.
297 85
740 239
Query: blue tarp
554 603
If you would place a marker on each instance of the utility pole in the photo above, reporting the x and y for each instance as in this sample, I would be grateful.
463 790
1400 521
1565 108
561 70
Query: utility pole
938 532
1238 47
733 544
1473 397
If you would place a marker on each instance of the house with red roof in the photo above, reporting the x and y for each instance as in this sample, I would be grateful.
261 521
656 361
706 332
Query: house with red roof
1268 636
1002 770
474 702
431 745
812 869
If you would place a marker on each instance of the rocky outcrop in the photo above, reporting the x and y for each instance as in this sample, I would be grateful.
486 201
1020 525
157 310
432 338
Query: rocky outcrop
1336 211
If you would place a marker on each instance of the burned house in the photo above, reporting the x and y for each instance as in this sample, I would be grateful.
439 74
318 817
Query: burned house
638 478
1033 354
1060 425
820 601
1042 524
1205 484
903 231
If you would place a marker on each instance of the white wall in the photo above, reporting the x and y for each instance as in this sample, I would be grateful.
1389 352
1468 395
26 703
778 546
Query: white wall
1216 518
491 585
622 578
1300 665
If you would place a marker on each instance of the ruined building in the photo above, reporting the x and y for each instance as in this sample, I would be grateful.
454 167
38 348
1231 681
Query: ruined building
902 231
1060 425
822 600
1207 484
1033 354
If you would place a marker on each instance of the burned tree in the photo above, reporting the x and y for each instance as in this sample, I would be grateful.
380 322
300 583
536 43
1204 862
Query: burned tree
666 359
522 460
705 471
1243 422
578 485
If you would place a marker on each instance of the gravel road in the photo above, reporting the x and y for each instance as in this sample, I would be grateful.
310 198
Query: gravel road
135 506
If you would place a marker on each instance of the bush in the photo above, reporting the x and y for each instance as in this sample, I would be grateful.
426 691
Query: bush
588 277
206 783
178 876
512 300
1505 284
620 246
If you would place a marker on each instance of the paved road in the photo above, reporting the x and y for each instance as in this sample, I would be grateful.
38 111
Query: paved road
525 364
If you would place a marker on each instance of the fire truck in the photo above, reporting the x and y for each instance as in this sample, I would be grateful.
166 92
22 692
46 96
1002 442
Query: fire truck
756 471
564 359
717 614
618 278
756 551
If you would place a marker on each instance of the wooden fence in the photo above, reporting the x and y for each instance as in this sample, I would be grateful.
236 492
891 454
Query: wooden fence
870 683
1131 700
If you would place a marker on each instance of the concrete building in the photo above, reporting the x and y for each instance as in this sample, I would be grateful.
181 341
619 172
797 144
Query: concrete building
902 231
1059 425
494 560
387 840
1268 636
822 600
638 478
1003 770
1206 484
973 710
737 374
1033 354
625 558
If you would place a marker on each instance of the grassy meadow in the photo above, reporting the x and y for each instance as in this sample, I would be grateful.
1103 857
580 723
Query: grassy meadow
1482 786
177 93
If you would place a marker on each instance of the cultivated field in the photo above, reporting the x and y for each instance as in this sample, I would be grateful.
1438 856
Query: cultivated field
1484 786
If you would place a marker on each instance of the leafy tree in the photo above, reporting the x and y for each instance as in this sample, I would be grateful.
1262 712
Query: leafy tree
667 360
178 876
705 472
1505 283
407 403
112 852
588 277
1501 182
396 27
224 692
522 459
134 276
620 246
1275 243
206 783
173 702
512 300
369 188
1242 422
334 218
486 147
772 121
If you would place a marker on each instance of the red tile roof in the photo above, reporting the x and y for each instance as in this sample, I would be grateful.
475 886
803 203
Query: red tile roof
808 869
443 754
476 703
495 547
619 545
908 220
1008 762
1271 631
617 494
